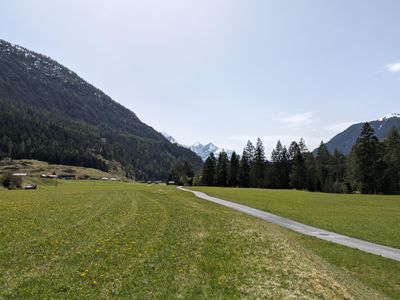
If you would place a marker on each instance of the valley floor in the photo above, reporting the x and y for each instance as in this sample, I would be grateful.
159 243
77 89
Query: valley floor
375 218
137 241
380 250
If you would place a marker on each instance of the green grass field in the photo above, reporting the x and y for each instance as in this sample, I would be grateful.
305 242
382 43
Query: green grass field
137 241
374 218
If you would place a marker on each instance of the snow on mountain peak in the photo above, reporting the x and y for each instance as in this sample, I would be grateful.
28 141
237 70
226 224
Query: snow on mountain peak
201 150
389 116
204 150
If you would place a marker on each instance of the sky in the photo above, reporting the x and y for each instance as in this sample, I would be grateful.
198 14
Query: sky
226 71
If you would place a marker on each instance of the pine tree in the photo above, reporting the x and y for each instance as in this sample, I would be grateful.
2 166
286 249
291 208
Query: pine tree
322 165
250 150
392 162
367 160
298 171
280 167
257 173
221 175
338 166
234 170
338 173
311 179
209 170
244 167
302 146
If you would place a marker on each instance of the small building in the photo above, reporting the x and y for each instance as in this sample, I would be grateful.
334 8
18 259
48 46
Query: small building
67 176
171 182
19 174
51 176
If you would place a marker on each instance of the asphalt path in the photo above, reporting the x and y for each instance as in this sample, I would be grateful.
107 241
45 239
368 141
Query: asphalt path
388 252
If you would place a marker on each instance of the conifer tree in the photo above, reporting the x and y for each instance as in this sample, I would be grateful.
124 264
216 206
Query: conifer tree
280 167
367 160
392 162
209 170
322 166
257 175
371 166
338 166
244 166
309 163
234 170
298 171
303 146
221 175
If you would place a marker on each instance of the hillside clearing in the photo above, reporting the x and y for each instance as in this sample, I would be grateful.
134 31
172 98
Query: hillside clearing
35 168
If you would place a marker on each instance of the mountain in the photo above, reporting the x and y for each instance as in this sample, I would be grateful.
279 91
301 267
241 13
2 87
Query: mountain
345 140
204 150
201 150
170 139
48 112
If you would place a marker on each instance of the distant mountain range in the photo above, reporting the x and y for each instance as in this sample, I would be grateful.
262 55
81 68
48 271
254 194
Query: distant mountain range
204 150
47 112
201 150
345 140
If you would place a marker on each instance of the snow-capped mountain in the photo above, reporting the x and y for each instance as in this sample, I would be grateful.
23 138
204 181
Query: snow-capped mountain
389 116
201 150
345 140
204 150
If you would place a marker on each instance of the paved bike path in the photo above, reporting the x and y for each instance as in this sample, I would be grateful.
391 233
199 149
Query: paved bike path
388 252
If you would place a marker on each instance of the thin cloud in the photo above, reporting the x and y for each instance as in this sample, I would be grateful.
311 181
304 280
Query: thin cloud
393 67
299 119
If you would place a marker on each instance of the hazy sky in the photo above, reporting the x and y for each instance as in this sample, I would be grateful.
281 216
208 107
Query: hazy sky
226 71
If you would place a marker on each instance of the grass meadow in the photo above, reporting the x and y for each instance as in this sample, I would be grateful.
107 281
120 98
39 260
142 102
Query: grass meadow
375 218
137 241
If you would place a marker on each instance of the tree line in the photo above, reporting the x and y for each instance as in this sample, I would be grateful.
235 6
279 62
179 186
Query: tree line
372 167
27 132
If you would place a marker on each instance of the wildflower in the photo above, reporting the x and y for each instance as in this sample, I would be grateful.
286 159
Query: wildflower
83 274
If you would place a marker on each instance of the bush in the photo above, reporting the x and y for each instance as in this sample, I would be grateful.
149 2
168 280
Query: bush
11 182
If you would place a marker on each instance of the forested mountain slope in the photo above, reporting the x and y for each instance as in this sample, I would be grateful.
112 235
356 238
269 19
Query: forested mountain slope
345 140
48 112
